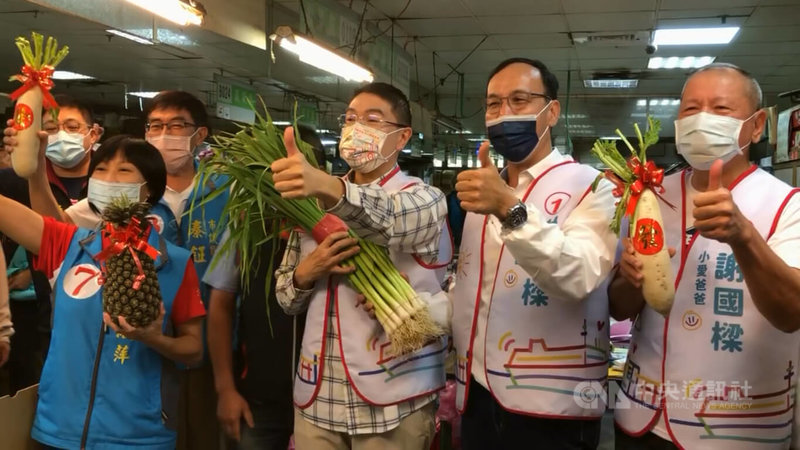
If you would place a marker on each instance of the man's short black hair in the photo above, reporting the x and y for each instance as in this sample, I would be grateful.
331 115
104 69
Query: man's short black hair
180 100
391 94
65 101
142 155
548 79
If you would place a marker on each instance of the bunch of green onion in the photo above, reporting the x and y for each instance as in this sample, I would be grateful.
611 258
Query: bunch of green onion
257 213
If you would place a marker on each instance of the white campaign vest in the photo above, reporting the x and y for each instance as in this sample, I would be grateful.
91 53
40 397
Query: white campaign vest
726 380
542 353
376 375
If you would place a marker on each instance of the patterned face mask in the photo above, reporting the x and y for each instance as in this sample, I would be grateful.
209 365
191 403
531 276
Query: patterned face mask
361 147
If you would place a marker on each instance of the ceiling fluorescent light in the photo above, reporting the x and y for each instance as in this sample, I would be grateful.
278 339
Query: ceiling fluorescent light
130 36
320 57
144 94
675 62
695 36
181 12
611 83
281 123
67 75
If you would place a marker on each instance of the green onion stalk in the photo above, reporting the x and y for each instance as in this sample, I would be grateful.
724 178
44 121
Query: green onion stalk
257 213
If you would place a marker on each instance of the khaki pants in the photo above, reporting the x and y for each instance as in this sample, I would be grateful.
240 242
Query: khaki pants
198 428
415 432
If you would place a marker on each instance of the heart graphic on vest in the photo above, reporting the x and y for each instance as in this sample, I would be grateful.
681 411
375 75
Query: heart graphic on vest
600 324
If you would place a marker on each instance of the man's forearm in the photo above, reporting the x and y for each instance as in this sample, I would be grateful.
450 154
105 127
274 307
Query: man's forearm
624 300
222 306
772 283
330 191
185 348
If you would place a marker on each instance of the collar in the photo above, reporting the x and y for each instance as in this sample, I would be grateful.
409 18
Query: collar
380 181
55 180
536 170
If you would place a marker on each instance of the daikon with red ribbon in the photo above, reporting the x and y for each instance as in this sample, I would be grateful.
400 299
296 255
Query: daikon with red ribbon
37 80
637 183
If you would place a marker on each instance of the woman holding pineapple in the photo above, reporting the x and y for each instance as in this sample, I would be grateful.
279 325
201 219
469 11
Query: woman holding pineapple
103 384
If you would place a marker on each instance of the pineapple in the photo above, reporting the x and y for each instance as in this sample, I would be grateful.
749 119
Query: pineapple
125 292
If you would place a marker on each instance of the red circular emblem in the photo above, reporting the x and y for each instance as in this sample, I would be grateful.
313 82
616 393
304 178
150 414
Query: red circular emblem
648 238
23 117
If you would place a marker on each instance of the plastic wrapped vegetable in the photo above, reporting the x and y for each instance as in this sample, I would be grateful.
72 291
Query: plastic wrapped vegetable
39 63
638 185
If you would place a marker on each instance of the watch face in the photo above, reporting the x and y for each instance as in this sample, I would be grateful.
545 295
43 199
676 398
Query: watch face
517 216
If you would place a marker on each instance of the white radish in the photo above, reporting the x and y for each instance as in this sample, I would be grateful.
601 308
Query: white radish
40 60
28 122
647 238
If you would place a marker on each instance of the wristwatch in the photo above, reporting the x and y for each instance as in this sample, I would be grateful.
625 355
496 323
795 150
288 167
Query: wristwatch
516 216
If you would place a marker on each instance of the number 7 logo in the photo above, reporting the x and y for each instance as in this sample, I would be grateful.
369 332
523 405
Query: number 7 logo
82 281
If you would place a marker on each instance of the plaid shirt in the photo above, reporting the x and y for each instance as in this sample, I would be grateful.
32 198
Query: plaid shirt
409 220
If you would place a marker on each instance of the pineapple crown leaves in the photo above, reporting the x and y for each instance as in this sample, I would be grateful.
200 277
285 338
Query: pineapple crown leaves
122 209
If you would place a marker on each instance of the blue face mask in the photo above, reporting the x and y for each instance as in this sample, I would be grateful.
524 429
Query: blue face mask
514 137
66 149
102 193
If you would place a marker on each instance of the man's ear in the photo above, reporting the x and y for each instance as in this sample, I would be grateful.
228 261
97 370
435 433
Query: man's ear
554 113
95 133
759 123
202 134
403 139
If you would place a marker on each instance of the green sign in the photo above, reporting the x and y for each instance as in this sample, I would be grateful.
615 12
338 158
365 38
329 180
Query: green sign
235 101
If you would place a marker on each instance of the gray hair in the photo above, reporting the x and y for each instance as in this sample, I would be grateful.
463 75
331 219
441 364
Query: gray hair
755 94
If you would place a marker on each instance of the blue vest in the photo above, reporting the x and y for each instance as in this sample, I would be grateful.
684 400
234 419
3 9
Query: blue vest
199 232
96 382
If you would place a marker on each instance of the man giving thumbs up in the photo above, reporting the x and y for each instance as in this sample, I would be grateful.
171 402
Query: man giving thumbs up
530 320
350 390
720 371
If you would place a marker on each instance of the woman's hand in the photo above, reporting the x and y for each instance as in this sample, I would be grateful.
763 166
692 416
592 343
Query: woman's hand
144 334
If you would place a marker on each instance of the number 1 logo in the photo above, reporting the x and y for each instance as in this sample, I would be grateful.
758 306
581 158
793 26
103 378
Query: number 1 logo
82 281
555 201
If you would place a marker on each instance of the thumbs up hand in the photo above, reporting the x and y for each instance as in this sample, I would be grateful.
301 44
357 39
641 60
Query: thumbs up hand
482 190
294 176
716 216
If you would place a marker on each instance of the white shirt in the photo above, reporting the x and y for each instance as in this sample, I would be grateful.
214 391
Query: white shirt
176 201
785 242
566 262
83 216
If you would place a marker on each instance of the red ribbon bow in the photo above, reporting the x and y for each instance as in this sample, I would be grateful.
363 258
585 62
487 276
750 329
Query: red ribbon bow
31 77
127 238
646 176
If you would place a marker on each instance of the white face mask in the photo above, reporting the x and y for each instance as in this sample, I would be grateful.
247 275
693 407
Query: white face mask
176 150
66 149
703 138
102 193
361 147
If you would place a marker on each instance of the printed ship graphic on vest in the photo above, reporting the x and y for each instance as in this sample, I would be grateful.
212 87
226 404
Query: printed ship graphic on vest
530 364
720 409
387 363
736 408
